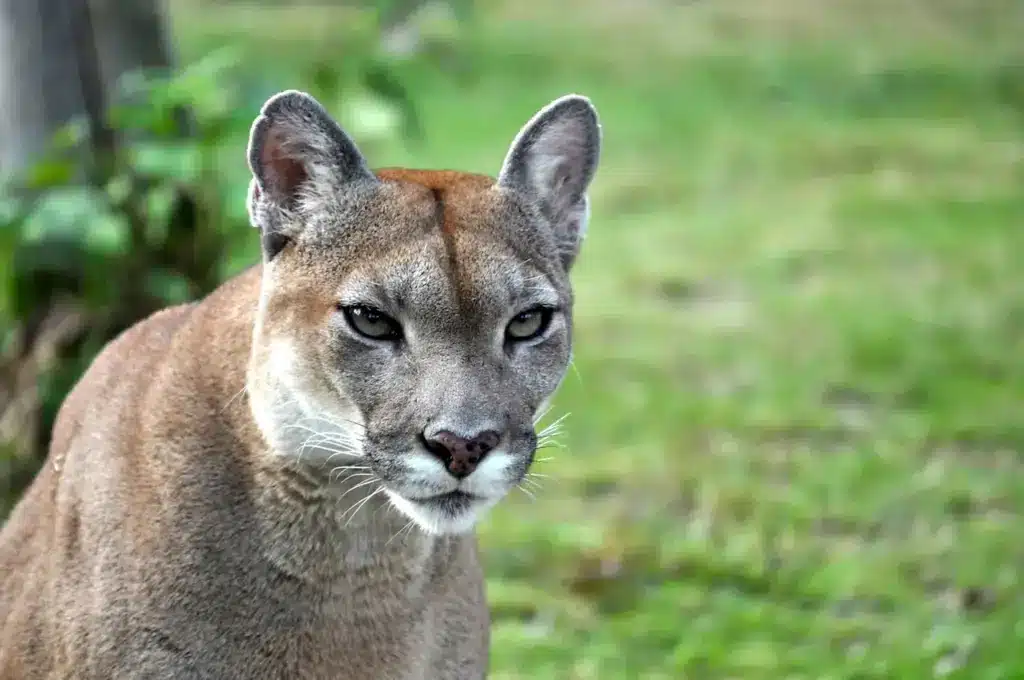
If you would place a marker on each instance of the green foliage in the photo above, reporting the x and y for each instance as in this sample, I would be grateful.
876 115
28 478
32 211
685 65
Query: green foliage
794 448
158 219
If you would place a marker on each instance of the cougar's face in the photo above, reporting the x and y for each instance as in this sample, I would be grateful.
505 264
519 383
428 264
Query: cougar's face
412 324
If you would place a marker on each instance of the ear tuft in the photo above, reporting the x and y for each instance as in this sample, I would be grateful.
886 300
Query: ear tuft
552 161
296 153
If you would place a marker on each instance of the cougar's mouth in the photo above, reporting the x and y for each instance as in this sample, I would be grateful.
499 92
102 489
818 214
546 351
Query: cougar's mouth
451 512
451 503
446 496
453 500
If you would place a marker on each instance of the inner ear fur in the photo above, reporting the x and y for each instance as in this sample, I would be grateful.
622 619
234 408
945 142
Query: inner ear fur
296 151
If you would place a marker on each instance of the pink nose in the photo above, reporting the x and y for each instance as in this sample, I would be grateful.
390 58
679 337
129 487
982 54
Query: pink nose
461 455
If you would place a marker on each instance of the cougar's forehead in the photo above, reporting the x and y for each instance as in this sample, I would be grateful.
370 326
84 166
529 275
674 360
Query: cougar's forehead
446 249
464 276
442 241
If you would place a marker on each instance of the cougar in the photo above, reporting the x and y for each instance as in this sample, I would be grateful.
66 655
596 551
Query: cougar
282 480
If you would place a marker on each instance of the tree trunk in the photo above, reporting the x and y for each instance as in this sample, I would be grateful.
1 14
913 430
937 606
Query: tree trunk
64 59
60 60
129 36
39 85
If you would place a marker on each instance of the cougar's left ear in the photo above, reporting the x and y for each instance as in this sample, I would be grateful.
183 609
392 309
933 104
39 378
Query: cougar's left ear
296 153
552 161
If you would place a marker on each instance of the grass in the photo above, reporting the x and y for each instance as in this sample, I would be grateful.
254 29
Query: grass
795 442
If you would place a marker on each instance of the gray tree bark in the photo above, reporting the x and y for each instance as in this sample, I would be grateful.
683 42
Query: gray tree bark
62 59
59 60
129 35
39 85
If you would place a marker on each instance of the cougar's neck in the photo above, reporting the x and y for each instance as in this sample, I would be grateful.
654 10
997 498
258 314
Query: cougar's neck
335 526
328 525
315 522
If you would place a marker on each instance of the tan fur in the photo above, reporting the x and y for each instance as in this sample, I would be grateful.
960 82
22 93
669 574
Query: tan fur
178 531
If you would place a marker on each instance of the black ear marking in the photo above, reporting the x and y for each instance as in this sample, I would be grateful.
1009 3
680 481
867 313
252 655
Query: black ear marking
273 243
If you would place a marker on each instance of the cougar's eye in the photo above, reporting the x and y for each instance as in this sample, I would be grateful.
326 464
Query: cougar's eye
529 324
372 323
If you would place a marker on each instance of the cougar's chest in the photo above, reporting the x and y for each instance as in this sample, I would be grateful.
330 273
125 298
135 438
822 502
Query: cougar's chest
369 614
379 624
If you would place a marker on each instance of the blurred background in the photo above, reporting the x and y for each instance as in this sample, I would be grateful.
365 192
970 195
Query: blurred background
792 443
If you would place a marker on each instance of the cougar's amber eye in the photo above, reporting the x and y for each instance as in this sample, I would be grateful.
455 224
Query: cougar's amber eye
372 323
529 324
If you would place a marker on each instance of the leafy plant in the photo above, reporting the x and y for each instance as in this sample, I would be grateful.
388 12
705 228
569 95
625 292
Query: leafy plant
156 221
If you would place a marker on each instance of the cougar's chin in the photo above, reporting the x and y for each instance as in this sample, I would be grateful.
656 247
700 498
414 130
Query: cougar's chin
454 512
420 487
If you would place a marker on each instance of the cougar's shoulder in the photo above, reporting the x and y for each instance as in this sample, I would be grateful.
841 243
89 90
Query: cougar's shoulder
147 358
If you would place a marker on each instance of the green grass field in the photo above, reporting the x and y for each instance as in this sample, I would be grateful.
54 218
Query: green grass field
794 446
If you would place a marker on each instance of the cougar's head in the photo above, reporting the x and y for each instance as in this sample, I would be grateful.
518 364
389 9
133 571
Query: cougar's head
414 322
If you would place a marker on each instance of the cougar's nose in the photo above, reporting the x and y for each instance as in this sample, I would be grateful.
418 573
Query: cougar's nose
461 455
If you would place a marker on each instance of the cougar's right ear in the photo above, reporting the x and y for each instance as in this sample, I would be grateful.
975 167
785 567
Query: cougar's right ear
297 154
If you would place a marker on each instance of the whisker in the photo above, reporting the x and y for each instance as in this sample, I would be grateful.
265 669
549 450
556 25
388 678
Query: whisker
533 483
322 436
353 468
355 474
341 438
337 446
576 371
339 435
232 399
554 426
365 482
335 452
540 416
340 431
341 474
406 527
387 506
390 506
556 423
350 476
356 508
526 491
352 453
324 418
